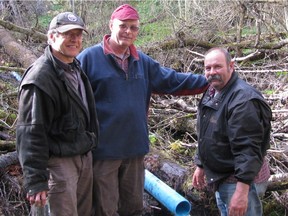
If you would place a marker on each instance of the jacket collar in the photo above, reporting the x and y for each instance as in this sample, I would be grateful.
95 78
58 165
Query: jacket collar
230 83
59 66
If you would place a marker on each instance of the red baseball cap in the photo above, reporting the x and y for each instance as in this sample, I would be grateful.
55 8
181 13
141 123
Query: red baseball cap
125 12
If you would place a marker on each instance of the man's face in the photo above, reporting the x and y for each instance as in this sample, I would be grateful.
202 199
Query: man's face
124 33
66 46
217 71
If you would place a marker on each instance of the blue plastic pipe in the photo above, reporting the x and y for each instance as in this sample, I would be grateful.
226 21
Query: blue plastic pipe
172 200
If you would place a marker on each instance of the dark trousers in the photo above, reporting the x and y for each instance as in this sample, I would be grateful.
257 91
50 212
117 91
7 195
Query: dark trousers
118 187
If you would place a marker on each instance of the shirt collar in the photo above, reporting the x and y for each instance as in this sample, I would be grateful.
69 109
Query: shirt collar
108 50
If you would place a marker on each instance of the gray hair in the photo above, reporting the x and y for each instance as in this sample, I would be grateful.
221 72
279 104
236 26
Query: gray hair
227 55
53 31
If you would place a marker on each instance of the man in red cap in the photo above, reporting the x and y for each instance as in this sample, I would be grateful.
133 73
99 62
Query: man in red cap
123 80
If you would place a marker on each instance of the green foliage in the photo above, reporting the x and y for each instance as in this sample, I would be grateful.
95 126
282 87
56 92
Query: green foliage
153 32
45 19
147 9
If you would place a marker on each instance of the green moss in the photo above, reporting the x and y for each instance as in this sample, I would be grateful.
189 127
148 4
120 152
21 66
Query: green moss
269 91
153 139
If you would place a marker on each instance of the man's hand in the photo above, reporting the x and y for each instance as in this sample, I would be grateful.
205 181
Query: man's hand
198 179
239 201
39 199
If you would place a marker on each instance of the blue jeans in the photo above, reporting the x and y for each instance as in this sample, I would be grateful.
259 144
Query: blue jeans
261 188
224 194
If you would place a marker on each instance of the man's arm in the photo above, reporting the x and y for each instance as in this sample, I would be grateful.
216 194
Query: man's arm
32 143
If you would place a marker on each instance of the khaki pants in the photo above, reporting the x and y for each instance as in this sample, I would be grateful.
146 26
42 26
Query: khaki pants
118 187
70 185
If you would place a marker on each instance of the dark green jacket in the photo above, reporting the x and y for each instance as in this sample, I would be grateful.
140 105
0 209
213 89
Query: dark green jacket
52 120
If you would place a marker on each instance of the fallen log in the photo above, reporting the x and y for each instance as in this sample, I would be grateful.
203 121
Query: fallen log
7 160
29 32
21 54
7 146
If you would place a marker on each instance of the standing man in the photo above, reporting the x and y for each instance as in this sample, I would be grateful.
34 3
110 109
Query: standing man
233 135
57 123
123 80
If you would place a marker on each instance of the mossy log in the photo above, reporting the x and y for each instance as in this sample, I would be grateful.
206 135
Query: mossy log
7 146
29 32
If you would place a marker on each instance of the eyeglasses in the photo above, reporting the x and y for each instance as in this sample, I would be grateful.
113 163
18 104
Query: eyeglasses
132 28
72 35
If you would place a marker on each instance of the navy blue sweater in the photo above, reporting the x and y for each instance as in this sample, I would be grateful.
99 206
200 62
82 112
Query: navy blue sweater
122 100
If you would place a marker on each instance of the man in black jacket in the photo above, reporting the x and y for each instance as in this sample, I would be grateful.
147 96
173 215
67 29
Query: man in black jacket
57 123
233 135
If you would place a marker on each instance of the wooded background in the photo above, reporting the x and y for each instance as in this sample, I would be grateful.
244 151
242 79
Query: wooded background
177 34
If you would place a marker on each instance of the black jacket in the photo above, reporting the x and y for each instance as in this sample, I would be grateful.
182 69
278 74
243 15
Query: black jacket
52 120
233 132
